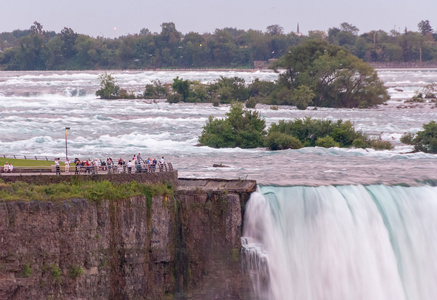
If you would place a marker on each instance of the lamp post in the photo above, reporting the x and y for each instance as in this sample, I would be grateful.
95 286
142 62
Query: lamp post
66 153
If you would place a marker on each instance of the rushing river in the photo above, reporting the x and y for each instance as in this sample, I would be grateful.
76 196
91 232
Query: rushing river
348 237
35 107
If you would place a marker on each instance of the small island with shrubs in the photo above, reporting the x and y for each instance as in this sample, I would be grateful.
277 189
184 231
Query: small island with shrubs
246 129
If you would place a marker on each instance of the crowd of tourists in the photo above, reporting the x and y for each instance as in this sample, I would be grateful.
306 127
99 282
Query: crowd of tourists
92 166
135 165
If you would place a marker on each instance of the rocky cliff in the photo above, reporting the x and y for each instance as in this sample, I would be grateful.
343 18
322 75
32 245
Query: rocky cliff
184 247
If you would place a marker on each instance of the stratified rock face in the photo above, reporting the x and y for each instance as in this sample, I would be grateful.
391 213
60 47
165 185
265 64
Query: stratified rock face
184 247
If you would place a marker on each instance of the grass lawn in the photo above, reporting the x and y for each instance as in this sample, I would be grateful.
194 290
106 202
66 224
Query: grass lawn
29 162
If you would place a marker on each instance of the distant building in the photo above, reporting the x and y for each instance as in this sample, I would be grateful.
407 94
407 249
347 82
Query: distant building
262 64
298 32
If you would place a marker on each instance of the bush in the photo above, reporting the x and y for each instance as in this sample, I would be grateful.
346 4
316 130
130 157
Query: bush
174 98
327 142
417 98
27 270
181 87
360 143
229 89
363 104
407 138
426 140
108 88
251 103
308 130
55 272
281 141
344 133
75 272
155 90
198 93
260 88
303 96
379 144
241 128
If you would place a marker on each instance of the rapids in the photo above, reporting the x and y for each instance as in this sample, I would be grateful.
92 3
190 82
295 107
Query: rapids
332 231
35 107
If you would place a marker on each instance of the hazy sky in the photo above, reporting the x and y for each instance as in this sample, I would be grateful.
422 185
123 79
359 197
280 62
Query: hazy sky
100 17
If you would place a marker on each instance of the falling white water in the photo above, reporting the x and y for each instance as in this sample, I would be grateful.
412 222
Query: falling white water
344 242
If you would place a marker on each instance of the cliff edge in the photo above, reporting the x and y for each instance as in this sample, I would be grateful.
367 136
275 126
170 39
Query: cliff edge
182 247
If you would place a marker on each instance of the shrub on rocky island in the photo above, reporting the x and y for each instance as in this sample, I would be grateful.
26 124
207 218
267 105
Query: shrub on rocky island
424 140
241 128
246 129
282 141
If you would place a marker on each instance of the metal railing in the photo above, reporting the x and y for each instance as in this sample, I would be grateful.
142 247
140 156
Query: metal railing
89 170
32 157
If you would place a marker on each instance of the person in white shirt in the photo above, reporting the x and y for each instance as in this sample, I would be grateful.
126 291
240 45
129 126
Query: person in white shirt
11 168
162 162
67 165
6 167
130 166
58 167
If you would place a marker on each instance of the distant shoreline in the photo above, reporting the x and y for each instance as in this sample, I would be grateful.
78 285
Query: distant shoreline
404 65
375 65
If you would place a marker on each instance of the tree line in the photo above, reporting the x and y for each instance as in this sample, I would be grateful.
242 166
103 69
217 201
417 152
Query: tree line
37 49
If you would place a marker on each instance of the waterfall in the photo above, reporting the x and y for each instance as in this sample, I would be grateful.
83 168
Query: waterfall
342 242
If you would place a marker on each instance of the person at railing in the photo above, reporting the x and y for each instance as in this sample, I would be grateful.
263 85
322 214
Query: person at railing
94 166
5 168
139 157
11 168
154 163
103 165
143 166
77 163
150 164
88 166
110 165
67 165
138 166
130 166
57 166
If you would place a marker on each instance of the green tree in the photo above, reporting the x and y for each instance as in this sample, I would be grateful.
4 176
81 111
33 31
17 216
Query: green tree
68 37
241 128
425 27
337 78
303 95
182 87
229 89
108 88
426 140
275 29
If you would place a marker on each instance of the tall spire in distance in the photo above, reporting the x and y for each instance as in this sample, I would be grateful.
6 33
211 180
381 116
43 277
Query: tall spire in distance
298 32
